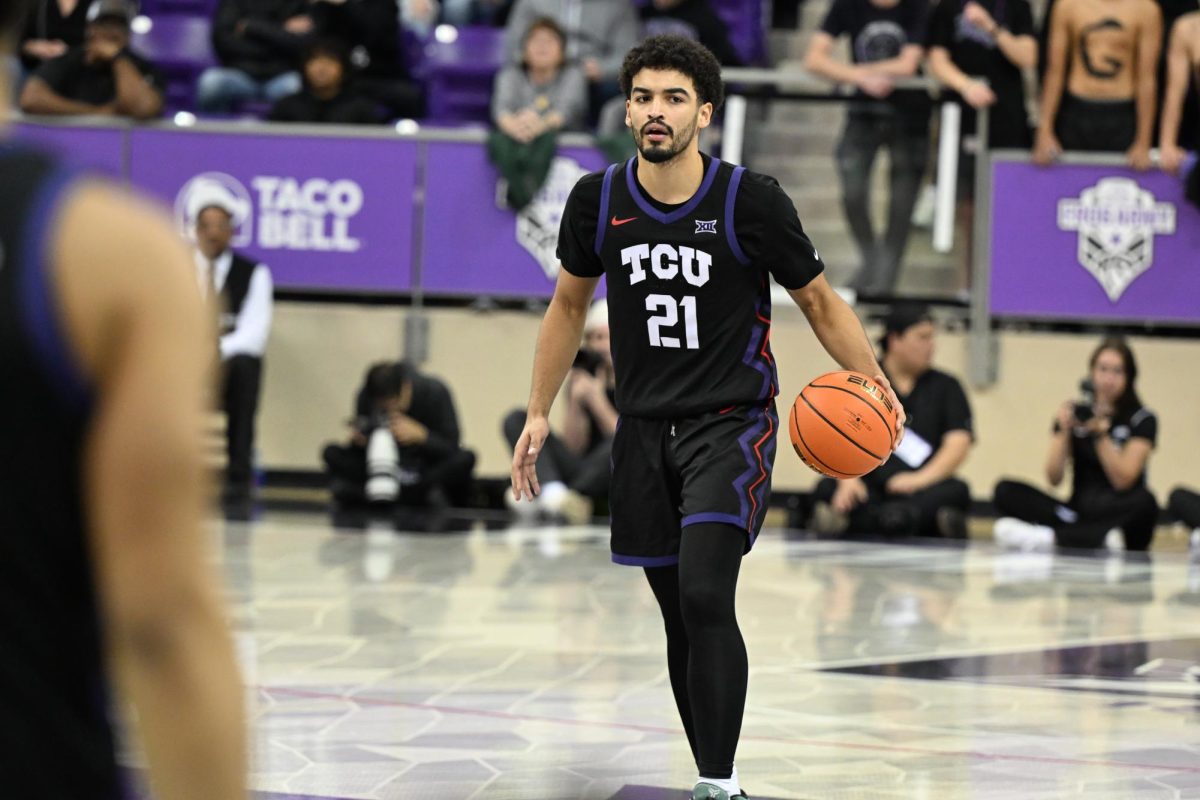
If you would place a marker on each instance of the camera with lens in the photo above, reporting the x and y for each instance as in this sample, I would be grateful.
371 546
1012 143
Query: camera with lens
1087 398
587 360
365 423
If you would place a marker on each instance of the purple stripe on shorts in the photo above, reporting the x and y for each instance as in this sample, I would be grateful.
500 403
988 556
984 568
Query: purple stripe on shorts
645 561
729 519
757 428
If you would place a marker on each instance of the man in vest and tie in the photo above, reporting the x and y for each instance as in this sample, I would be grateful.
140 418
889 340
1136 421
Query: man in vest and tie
240 291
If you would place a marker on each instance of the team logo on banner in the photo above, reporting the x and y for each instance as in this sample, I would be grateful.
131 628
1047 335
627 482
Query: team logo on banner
223 191
283 213
1117 221
537 223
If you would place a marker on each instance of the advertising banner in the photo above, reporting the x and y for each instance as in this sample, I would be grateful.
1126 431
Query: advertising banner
1086 242
322 213
99 149
473 245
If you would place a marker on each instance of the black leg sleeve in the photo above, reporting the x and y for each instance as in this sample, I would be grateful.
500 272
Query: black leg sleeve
664 582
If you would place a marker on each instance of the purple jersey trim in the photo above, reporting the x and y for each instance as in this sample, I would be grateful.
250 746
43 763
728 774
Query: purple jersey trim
679 213
730 230
605 191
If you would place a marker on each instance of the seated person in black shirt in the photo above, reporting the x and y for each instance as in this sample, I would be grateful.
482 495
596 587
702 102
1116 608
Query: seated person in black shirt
100 77
695 19
404 446
1108 438
326 97
574 468
915 492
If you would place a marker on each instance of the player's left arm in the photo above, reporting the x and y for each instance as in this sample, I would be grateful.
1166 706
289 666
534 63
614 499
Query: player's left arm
841 333
1146 86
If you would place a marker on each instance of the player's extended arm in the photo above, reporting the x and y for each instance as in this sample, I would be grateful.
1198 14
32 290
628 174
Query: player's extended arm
836 326
1178 79
128 290
557 342
841 333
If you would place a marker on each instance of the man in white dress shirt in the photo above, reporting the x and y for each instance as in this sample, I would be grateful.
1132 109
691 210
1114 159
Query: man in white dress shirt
242 291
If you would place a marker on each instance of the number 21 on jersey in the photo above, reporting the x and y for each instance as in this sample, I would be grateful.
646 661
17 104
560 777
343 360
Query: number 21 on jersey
667 263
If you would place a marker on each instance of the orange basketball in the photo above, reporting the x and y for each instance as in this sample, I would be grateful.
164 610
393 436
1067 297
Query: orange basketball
843 425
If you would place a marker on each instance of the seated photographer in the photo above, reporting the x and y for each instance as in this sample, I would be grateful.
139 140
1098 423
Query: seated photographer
915 492
1107 435
574 468
404 444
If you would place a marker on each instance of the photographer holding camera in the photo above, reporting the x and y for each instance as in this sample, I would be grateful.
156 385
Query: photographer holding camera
404 444
574 468
1107 435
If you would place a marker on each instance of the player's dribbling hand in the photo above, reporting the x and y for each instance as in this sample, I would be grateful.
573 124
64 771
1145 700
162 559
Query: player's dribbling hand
524 463
901 416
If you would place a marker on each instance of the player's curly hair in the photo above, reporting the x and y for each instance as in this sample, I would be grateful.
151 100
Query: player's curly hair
682 55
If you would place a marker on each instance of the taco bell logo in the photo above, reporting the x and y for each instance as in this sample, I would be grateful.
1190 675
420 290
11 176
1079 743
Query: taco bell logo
1116 220
282 214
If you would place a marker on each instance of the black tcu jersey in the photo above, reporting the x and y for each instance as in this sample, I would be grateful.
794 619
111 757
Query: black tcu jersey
688 285
55 739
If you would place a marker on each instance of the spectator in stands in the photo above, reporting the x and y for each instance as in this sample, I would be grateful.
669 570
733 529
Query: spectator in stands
532 101
53 28
915 492
1184 505
102 76
980 59
1183 62
693 19
573 468
1107 436
259 43
404 443
326 97
887 38
599 33
370 30
241 293
1104 98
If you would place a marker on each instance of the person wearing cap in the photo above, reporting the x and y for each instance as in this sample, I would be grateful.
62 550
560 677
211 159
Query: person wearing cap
100 77
240 292
574 468
915 492
326 97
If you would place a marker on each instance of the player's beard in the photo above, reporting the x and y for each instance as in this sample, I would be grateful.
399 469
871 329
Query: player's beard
662 153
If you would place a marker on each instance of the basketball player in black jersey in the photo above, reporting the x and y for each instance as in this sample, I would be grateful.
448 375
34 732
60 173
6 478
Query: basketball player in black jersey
688 244
103 580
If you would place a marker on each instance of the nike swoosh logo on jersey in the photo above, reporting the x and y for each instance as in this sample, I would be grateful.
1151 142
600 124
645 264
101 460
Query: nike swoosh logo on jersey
616 221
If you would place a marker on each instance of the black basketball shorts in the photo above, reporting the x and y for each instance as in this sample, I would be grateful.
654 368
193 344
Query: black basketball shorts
669 474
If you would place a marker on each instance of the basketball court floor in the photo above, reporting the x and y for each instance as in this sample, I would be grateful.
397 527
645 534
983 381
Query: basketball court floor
520 664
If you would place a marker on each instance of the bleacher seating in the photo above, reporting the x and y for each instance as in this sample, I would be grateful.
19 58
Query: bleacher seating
180 45
459 75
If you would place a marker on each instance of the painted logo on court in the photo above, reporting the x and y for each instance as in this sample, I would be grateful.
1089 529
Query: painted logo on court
282 213
221 190
537 223
1117 221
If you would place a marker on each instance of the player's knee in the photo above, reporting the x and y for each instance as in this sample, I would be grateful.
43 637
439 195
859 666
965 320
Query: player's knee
705 602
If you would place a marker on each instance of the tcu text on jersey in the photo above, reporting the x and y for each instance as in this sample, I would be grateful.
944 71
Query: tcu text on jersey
667 262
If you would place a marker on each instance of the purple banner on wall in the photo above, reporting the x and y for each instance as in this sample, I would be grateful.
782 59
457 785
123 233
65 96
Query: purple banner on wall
473 246
1086 242
99 149
322 213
